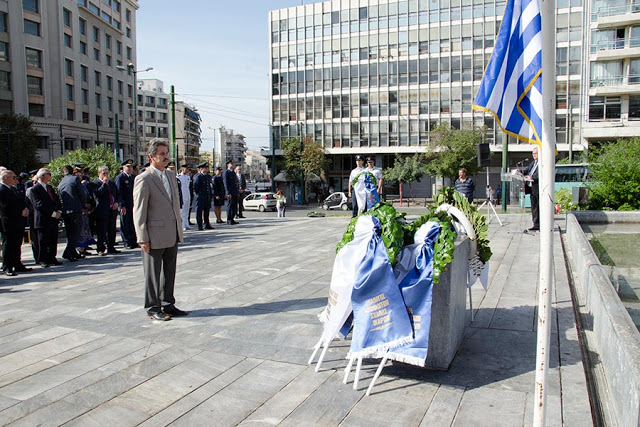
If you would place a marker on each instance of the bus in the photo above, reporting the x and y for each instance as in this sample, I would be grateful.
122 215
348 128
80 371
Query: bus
571 175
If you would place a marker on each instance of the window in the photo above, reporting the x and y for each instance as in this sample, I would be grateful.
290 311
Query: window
109 83
71 114
30 6
94 9
82 26
5 80
31 27
34 58
128 32
83 48
116 5
109 103
118 47
96 34
69 92
85 98
108 59
150 100
603 108
3 22
34 85
66 17
68 41
120 85
634 108
85 119
96 54
68 67
37 110
129 54
98 120
84 73
98 100
97 77
4 51
130 91
127 15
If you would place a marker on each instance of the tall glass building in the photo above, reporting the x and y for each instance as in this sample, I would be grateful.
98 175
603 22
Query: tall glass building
376 76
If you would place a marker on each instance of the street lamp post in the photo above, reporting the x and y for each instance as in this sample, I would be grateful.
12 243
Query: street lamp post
135 72
213 150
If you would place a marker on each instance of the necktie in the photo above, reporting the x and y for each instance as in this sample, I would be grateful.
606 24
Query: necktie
165 182
110 195
49 192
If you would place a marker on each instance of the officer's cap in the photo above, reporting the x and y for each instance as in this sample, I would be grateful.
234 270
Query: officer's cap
78 164
184 165
33 172
203 165
218 168
359 157
171 164
229 161
127 162
370 159
24 175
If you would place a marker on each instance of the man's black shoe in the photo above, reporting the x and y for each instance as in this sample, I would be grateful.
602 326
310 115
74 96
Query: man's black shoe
219 221
200 229
242 216
174 311
23 269
113 251
55 262
9 273
44 265
534 229
159 316
232 222
70 259
208 227
134 246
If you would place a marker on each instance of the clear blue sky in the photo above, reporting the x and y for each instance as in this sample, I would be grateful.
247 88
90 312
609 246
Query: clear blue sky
216 54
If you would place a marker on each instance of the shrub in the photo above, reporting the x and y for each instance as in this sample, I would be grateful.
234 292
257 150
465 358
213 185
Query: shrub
616 174
563 198
92 158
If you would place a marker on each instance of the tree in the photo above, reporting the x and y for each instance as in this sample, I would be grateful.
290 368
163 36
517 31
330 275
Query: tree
18 143
303 159
405 170
92 158
451 149
616 175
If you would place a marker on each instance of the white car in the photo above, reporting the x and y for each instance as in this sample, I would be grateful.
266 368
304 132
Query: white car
260 201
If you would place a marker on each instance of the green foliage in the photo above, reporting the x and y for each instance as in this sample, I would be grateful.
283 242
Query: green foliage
616 173
563 198
393 229
405 169
478 221
92 158
444 246
373 178
306 157
451 149
18 143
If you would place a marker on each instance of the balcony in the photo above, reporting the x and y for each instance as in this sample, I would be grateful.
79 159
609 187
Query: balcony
615 85
611 16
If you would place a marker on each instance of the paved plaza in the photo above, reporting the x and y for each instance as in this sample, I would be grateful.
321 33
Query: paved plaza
76 346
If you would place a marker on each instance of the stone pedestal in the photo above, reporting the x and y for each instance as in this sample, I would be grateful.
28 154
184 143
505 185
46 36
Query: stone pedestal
449 314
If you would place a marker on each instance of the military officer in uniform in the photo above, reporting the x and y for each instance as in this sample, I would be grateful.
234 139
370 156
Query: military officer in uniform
202 186
124 182
230 180
186 187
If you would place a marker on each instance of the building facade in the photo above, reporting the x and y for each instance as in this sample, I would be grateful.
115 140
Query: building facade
229 145
255 166
153 114
376 76
59 65
612 106
188 131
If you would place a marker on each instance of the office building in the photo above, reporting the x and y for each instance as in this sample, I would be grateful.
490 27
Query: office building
229 145
612 102
153 114
59 64
188 131
255 167
376 76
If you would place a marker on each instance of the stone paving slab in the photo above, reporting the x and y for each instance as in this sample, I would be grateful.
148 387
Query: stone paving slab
89 355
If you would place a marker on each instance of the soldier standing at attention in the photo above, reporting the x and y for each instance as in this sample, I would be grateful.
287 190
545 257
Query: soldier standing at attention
202 184
124 182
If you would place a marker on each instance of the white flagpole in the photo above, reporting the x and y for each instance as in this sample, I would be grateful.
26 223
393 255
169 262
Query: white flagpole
546 172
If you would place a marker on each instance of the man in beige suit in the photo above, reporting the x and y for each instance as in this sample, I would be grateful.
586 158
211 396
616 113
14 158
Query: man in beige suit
156 217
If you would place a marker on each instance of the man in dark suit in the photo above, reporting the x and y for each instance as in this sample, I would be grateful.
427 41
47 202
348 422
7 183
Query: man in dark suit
156 216
47 211
124 182
531 174
106 196
13 214
218 194
242 187
202 185
73 199
230 180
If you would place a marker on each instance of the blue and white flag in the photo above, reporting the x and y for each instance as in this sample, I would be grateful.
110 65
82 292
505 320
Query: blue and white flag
511 88
380 319
414 273
373 198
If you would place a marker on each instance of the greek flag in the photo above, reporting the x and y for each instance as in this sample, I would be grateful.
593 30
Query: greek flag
511 88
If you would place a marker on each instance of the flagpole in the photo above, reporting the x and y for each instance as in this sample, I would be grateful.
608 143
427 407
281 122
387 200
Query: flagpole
546 173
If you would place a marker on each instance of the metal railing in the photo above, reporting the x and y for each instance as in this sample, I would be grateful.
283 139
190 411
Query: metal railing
612 10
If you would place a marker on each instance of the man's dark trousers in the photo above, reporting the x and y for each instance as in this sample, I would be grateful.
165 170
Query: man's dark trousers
232 205
111 229
535 208
161 289
127 231
72 223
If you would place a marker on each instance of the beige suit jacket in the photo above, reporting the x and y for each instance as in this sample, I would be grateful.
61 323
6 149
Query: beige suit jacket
155 216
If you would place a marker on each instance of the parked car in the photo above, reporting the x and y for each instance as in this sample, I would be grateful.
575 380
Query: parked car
260 201
337 200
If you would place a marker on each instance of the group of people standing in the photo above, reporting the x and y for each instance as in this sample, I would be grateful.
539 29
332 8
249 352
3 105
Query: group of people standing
224 188
358 182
